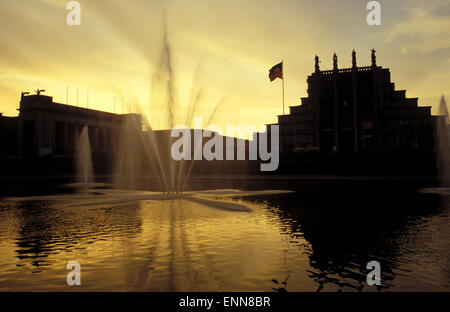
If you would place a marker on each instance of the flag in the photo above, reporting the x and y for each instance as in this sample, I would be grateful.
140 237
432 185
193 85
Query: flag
276 72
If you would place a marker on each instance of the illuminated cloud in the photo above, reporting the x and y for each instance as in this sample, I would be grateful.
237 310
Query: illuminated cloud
226 46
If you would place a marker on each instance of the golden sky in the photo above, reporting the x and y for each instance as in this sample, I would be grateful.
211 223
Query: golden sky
225 46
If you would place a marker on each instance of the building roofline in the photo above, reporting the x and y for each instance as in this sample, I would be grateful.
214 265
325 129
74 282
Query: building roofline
51 105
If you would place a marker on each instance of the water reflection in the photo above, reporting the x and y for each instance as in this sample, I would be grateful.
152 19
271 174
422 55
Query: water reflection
345 233
289 242
45 228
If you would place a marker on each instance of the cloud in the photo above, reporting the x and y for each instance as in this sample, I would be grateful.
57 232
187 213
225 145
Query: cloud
116 50
426 28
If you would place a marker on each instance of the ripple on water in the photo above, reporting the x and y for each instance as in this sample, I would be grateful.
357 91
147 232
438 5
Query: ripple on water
188 245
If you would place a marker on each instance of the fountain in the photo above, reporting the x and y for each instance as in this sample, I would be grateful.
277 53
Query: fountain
128 156
443 145
442 152
85 175
143 156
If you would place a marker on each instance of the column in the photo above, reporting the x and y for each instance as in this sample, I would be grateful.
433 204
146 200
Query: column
336 120
355 108
20 138
316 106
76 131
65 137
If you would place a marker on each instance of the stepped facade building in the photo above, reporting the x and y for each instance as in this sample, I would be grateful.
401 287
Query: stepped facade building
355 109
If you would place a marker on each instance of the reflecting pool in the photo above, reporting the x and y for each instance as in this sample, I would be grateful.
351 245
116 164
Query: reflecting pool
282 242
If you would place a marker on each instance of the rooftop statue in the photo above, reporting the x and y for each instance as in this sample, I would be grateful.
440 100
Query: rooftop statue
23 94
374 58
317 63
335 66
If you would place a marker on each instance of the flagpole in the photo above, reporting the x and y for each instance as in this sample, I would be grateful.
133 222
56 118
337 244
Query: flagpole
282 86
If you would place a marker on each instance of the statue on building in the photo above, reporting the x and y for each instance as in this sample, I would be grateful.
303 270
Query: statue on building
374 58
23 94
317 63
38 91
353 59
335 65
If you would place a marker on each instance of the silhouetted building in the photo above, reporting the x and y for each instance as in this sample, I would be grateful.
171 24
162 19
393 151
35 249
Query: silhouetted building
355 109
49 128
164 142
9 127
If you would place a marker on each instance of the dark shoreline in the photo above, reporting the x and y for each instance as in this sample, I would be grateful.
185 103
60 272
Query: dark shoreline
315 184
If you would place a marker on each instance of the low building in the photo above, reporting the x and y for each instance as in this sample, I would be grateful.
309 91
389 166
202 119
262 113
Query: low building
49 128
9 128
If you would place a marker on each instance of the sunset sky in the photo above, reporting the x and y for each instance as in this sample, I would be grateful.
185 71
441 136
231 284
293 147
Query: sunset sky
225 46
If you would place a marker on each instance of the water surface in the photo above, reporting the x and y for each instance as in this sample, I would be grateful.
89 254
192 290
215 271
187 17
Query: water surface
293 242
